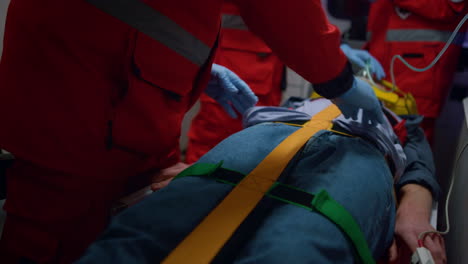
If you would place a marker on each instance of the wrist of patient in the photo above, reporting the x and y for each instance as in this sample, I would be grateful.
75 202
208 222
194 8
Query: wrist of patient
415 201
413 214
412 190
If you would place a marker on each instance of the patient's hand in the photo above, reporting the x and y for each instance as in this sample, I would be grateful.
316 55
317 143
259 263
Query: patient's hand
164 176
413 216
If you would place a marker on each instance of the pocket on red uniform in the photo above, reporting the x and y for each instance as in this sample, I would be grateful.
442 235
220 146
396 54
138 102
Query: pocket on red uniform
148 117
430 88
419 55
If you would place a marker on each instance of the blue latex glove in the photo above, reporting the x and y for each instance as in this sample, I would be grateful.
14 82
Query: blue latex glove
361 96
361 57
230 91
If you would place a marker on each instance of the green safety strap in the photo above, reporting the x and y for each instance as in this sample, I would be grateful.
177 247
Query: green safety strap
336 213
200 169
321 202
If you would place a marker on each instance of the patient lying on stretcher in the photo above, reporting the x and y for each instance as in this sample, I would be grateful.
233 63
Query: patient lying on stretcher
358 166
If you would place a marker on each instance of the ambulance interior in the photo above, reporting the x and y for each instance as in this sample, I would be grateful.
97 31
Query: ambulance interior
451 136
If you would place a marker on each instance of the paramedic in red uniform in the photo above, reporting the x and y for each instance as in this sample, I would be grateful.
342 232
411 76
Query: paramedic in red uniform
241 51
417 30
93 94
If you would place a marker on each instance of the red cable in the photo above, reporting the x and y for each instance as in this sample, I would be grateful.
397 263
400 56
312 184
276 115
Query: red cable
420 243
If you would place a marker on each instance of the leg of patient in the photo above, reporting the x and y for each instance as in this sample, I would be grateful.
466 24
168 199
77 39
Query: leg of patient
351 170
148 231
355 175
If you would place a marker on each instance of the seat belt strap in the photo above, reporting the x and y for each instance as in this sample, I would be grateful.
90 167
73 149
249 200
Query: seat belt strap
321 202
207 239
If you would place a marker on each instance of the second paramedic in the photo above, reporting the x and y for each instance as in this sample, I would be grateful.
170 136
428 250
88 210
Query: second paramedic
418 30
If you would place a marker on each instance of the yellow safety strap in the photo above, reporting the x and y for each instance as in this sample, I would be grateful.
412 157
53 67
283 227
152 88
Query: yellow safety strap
320 202
399 102
403 104
207 239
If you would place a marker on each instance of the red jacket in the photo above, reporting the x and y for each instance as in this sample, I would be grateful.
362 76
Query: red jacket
254 62
417 30
75 80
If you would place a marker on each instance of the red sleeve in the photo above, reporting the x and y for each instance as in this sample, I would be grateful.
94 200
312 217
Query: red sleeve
300 35
440 10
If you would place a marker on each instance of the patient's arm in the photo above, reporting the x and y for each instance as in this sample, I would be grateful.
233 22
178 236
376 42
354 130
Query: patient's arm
420 168
416 189
413 218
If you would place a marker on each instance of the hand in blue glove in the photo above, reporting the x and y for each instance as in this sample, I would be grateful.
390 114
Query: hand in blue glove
361 57
230 91
361 96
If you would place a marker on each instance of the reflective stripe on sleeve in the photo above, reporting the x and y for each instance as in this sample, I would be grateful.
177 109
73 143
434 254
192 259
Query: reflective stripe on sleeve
428 35
157 26
234 22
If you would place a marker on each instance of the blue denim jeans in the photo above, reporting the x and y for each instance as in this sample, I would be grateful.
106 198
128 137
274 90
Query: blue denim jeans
350 169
